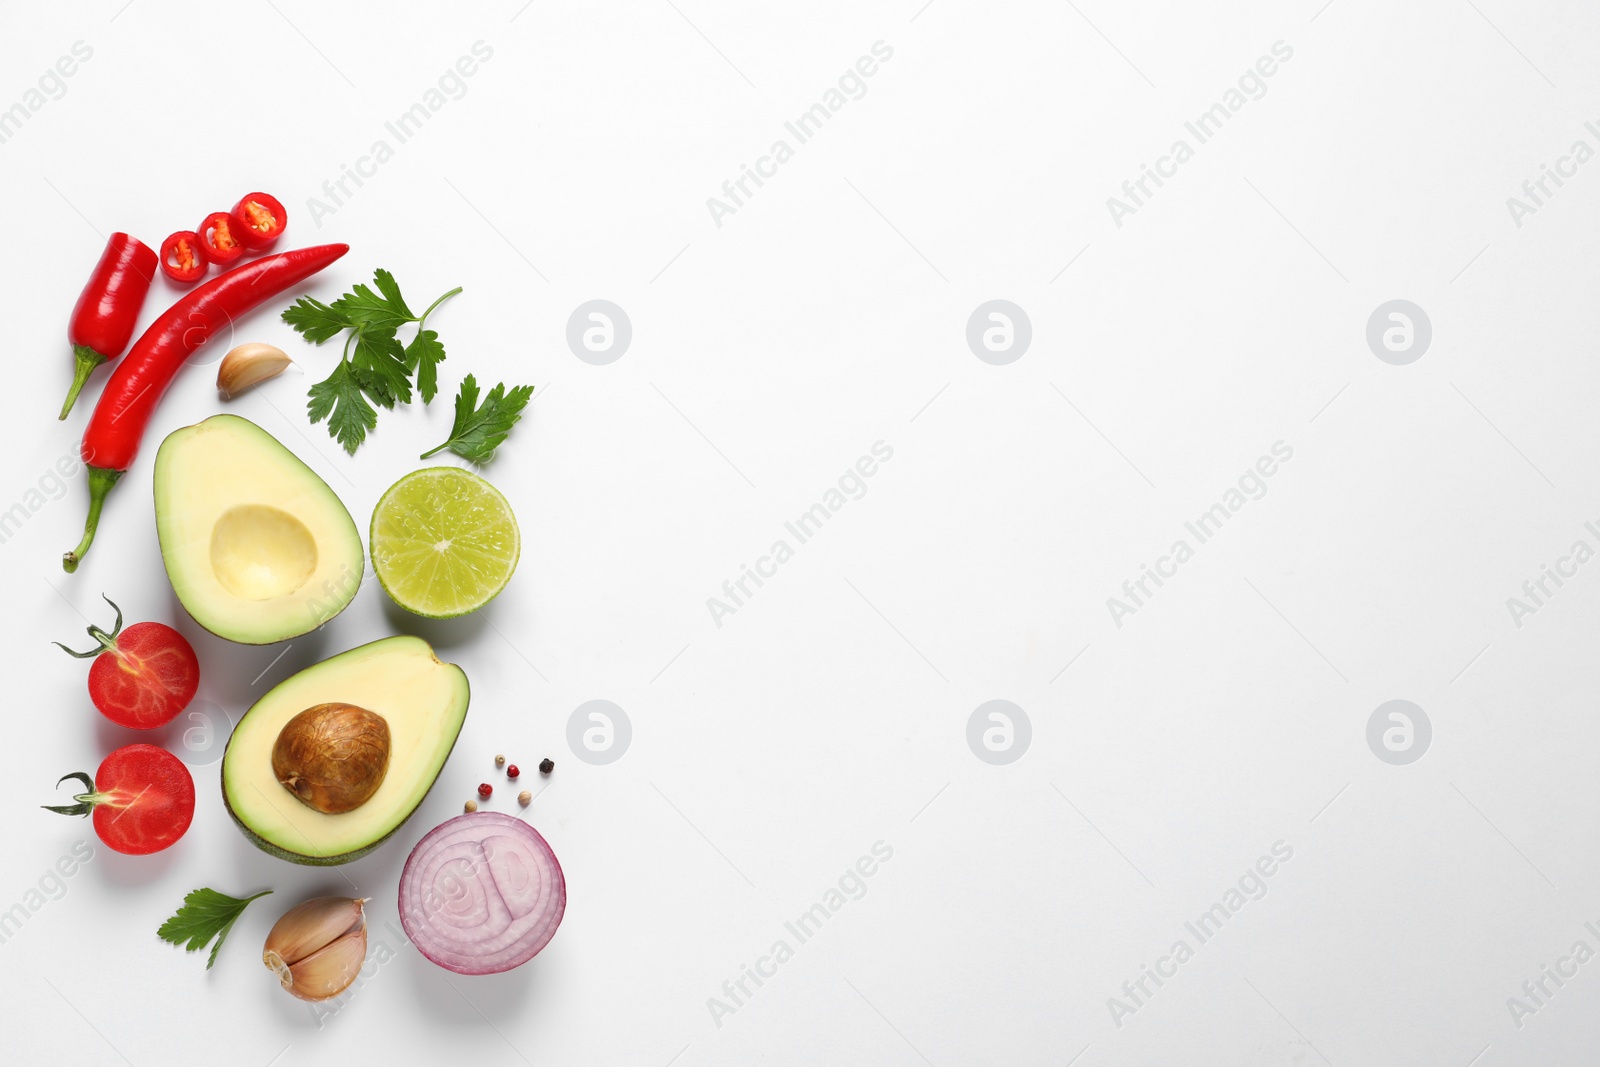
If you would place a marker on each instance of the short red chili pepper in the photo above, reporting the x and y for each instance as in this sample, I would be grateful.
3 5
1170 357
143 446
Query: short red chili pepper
183 260
111 440
259 220
220 244
108 308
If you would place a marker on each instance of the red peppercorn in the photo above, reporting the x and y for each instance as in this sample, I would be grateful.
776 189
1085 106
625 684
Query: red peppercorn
512 771
485 789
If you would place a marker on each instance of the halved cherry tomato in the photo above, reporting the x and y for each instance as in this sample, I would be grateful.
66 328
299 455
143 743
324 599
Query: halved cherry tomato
183 259
222 245
141 797
259 220
142 677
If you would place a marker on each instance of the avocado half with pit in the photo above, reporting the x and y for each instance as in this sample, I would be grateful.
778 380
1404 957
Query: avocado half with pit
421 702
257 547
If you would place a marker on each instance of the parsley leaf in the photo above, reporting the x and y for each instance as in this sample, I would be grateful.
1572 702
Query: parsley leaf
478 431
362 305
205 914
316 321
340 394
423 356
376 369
391 291
381 362
425 353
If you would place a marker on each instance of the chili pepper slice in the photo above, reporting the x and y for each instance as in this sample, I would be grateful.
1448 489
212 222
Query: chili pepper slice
259 220
183 258
217 237
107 309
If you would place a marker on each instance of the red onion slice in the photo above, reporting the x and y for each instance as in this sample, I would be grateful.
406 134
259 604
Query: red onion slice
482 894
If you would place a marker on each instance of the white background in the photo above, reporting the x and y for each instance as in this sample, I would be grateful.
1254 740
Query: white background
830 712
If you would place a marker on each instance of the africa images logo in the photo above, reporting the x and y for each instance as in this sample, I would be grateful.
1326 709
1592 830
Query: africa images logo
852 485
850 886
737 191
1251 485
1252 886
1251 85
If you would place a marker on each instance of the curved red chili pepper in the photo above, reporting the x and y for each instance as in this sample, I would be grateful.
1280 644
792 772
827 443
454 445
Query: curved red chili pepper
108 308
111 440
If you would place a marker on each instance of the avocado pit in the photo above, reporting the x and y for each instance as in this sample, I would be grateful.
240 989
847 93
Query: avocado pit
332 757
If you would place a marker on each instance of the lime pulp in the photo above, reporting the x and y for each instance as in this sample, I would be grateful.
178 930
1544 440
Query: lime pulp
444 542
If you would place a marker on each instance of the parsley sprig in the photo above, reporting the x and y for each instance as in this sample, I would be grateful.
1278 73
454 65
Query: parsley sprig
478 431
374 368
205 914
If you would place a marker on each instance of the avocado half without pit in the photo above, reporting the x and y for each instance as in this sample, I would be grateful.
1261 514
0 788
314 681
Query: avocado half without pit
331 761
257 547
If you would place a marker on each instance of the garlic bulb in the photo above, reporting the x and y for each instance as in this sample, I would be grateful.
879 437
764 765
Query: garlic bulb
317 948
249 365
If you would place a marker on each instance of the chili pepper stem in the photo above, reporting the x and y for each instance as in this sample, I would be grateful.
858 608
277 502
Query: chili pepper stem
101 479
85 360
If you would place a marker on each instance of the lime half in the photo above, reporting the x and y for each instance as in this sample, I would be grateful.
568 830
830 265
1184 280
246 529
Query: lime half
444 542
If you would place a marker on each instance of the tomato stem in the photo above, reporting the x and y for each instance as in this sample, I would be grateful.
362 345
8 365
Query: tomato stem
108 641
85 801
101 479
86 360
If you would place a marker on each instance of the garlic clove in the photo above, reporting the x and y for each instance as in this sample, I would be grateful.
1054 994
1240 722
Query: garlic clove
328 971
248 365
306 928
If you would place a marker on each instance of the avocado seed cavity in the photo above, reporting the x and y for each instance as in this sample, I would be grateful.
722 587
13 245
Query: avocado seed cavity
260 552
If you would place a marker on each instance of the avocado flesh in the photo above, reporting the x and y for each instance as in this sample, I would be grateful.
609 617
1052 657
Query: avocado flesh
424 703
257 547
